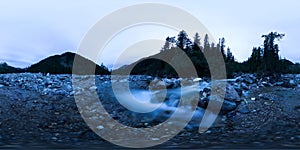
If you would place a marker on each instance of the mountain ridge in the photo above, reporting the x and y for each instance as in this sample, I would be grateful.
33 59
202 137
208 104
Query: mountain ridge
60 64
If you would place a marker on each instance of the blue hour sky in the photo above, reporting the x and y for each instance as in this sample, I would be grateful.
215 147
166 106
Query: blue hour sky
31 30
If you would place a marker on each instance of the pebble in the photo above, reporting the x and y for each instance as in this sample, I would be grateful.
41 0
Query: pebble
100 127
208 132
93 88
1 85
155 139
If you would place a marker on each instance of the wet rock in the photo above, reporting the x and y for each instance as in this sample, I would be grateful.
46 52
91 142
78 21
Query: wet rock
157 84
227 106
1 85
279 83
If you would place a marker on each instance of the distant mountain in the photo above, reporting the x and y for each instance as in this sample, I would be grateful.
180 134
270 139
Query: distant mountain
5 68
63 64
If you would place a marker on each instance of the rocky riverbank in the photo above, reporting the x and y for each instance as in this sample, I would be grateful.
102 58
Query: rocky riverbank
39 110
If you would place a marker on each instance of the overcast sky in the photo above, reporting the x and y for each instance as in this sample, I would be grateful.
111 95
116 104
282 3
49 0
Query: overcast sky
31 30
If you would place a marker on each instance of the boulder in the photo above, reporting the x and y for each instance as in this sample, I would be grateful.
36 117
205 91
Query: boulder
231 94
227 106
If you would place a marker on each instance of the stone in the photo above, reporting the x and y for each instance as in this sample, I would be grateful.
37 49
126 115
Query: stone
289 84
244 86
169 83
248 80
279 83
1 85
231 94
93 88
157 84
228 106
155 139
100 127
243 109
197 79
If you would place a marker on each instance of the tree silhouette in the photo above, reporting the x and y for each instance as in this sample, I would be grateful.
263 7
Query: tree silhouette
206 43
271 50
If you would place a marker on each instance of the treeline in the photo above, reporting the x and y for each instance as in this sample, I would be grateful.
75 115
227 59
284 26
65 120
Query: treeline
194 49
264 61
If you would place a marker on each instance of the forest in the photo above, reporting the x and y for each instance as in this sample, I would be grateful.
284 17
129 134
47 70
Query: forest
264 61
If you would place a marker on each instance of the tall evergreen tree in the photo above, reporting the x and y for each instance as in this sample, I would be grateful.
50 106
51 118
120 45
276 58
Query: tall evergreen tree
229 56
167 45
206 43
197 42
271 50
222 47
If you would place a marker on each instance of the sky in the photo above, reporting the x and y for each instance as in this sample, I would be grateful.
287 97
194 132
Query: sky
32 30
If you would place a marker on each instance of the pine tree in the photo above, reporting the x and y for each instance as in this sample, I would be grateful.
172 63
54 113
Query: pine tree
270 52
206 43
166 45
197 42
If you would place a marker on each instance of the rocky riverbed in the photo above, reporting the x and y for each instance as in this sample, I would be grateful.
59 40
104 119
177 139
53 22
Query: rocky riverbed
39 110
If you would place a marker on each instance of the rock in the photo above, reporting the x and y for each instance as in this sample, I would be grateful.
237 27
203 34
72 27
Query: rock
155 139
248 80
253 99
279 83
297 108
157 84
243 108
100 127
244 86
239 91
197 79
228 106
292 82
239 79
1 85
289 84
93 88
231 94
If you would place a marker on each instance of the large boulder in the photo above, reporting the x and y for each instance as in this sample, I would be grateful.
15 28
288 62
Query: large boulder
231 94
227 106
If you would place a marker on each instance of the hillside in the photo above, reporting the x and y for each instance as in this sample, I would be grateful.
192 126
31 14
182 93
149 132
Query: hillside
63 64
5 68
